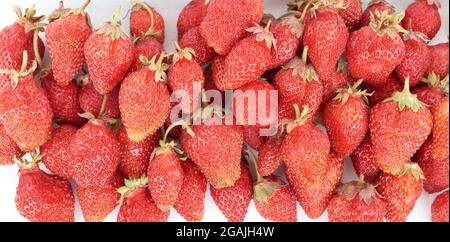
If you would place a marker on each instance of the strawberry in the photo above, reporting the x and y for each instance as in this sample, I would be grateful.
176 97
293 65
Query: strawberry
193 39
356 201
146 21
137 205
144 101
269 156
287 31
63 100
55 152
16 38
398 127
134 156
372 8
233 201
225 22
218 72
109 54
351 13
314 199
363 162
216 150
25 111
434 91
191 199
435 171
41 197
439 208
66 34
148 47
374 51
326 36
97 202
8 149
346 118
252 137
183 75
91 101
305 148
165 176
400 192
94 154
241 66
191 16
440 129
439 59
380 93
423 16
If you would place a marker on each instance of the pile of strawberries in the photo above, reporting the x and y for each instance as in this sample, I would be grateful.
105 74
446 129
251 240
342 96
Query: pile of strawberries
98 115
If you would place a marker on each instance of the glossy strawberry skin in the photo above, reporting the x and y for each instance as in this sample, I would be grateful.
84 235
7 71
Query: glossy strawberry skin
8 149
343 209
233 201
65 39
440 138
140 22
439 59
44 198
148 47
428 94
380 93
134 156
269 157
95 155
439 208
362 159
415 63
422 17
191 16
144 104
55 152
191 199
140 207
288 41
91 101
193 39
374 6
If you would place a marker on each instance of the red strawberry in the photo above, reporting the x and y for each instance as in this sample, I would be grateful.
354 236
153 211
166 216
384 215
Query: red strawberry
55 152
97 202
398 127
423 16
401 192
146 21
144 100
363 162
109 54
314 199
15 39
137 204
186 79
41 197
91 101
95 154
148 47
63 100
434 91
66 34
193 39
191 199
356 201
305 149
8 149
326 36
435 171
233 201
351 13
225 22
216 150
380 93
439 208
134 156
346 118
252 137
287 31
269 156
440 129
241 66
218 72
25 111
191 16
439 59
372 8
374 51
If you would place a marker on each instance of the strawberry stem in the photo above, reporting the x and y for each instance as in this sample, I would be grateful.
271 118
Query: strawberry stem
23 67
406 99
305 54
253 163
85 4
102 108
37 55
116 17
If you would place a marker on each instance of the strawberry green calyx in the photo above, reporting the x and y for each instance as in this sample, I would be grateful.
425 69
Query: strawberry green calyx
365 191
158 66
300 118
418 36
344 93
406 99
15 75
25 164
186 53
131 186
96 120
383 23
412 169
62 12
300 67
264 34
435 81
294 23
28 19
138 4
113 28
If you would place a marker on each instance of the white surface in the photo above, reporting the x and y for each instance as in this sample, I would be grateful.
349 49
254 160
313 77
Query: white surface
101 11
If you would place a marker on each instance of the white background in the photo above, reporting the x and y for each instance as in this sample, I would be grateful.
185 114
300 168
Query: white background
101 11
